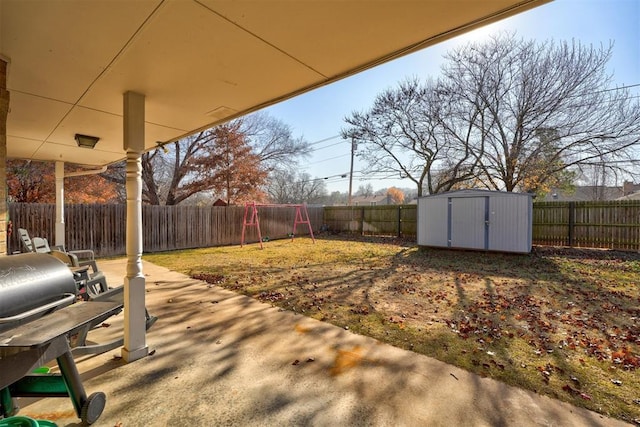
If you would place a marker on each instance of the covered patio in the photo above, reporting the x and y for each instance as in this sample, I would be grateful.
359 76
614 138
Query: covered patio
131 76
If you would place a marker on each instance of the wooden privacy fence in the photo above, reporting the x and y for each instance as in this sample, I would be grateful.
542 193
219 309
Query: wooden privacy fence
387 220
607 224
612 225
103 227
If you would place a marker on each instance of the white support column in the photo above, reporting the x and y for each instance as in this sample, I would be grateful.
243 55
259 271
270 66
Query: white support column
60 227
4 112
135 346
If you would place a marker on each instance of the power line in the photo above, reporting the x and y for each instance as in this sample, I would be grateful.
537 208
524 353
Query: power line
609 101
618 88
324 140
361 175
324 160
605 162
327 146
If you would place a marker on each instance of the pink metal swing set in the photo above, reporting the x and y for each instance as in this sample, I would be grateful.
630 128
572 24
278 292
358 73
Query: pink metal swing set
251 219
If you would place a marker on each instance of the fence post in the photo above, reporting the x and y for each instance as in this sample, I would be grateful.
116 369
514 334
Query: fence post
362 221
399 221
572 222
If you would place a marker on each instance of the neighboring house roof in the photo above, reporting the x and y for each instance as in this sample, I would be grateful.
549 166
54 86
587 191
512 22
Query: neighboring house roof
632 196
629 188
583 194
370 200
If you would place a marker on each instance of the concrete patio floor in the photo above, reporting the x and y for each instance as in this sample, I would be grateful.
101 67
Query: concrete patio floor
221 359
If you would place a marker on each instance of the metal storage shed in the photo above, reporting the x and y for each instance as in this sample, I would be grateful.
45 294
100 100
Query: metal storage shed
476 219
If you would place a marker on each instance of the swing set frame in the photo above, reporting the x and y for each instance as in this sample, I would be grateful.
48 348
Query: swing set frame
251 219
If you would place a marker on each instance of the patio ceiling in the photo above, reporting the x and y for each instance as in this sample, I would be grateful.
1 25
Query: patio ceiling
198 62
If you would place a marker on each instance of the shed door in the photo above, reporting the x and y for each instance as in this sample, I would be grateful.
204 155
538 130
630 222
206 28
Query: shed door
468 227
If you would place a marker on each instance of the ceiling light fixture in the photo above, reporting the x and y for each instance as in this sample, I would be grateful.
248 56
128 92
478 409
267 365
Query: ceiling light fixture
86 141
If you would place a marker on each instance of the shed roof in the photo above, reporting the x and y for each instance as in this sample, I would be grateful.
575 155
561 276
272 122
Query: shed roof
479 192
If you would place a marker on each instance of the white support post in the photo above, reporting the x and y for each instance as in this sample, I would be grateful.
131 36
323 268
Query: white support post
4 112
135 346
60 227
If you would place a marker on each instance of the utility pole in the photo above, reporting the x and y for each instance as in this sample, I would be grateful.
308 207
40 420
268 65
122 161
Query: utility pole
353 150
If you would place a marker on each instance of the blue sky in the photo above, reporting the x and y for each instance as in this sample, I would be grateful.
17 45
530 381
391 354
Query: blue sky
318 115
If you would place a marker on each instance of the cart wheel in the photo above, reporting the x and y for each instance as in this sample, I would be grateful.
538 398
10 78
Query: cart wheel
93 407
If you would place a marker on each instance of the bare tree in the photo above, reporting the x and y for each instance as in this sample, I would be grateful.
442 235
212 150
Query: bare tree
603 177
365 190
273 141
540 109
506 114
404 133
167 172
291 187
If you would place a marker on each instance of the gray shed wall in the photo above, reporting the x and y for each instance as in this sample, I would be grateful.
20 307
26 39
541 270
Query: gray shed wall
476 219
510 224
430 229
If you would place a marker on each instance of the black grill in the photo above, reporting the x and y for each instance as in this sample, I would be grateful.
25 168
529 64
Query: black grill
40 321
29 283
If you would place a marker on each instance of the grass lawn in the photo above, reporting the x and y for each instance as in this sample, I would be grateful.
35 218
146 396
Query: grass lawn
561 322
